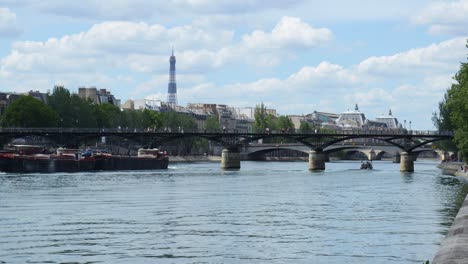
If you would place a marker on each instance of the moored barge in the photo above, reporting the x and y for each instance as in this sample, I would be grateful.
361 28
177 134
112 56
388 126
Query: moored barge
74 160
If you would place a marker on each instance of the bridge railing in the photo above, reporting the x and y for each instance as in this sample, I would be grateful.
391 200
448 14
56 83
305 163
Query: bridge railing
204 131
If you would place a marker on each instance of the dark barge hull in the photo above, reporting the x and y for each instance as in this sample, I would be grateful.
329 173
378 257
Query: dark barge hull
114 163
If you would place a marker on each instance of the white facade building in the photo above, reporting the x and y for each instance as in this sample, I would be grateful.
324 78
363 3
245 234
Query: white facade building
389 120
352 119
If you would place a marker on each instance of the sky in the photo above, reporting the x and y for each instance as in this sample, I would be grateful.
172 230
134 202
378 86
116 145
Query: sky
295 56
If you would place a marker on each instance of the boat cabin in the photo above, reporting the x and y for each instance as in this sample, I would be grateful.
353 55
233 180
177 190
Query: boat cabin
149 153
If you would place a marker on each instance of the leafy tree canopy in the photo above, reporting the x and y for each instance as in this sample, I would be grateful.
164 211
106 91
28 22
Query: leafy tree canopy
263 119
212 124
284 124
27 111
453 110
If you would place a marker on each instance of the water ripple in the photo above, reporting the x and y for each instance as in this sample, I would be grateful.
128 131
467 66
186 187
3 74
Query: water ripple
194 213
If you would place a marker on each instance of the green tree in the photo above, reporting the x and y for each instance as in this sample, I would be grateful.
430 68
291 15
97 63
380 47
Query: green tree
107 115
284 124
81 114
152 119
27 111
260 123
73 111
453 110
441 119
305 128
442 122
263 119
132 119
175 121
212 124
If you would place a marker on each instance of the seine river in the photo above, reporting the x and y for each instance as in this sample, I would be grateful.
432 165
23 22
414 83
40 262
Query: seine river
268 212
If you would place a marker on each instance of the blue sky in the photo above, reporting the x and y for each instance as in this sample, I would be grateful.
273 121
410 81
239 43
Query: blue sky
296 56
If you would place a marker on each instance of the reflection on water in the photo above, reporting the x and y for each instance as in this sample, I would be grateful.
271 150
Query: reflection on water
266 212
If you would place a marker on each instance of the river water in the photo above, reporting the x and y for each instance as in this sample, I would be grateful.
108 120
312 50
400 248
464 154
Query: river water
267 212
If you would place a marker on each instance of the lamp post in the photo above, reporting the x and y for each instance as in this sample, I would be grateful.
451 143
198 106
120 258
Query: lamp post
410 125
404 121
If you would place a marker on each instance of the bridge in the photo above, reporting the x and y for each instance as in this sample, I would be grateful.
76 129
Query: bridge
373 151
232 142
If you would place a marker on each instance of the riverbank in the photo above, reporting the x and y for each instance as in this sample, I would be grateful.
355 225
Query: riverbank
185 159
454 169
453 247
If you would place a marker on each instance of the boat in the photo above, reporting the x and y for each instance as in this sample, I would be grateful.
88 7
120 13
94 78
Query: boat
75 160
366 165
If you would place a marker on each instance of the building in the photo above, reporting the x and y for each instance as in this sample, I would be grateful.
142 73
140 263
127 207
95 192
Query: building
128 105
6 99
247 112
228 117
141 104
297 120
39 96
172 86
209 109
101 96
323 118
352 119
389 120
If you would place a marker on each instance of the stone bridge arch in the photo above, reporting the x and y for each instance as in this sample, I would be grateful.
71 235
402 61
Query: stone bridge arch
260 154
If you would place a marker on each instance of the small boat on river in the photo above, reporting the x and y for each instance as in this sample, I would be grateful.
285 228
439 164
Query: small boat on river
366 165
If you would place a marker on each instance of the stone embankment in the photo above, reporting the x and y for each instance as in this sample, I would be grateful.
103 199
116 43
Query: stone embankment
454 247
454 169
180 159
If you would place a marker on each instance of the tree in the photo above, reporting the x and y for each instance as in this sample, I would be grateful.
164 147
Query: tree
260 123
442 122
107 115
60 102
284 124
263 119
453 110
152 119
81 112
27 111
305 128
212 124
73 111
175 121
132 119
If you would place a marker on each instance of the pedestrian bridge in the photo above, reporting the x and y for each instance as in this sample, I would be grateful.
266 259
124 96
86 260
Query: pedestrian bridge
318 145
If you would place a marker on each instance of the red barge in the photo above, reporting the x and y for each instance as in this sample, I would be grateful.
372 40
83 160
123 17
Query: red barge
24 160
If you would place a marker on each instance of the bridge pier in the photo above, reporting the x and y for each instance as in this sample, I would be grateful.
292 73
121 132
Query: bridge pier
406 162
230 159
317 160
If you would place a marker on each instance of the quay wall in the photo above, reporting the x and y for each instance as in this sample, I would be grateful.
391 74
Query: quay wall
453 249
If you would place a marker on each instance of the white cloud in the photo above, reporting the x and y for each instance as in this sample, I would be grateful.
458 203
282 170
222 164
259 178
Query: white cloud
375 98
376 84
136 46
144 48
325 74
290 33
8 24
438 57
445 17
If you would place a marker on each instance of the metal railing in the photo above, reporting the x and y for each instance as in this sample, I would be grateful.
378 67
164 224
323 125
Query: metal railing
217 131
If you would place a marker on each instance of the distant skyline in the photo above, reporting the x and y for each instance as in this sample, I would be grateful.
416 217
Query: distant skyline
295 56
